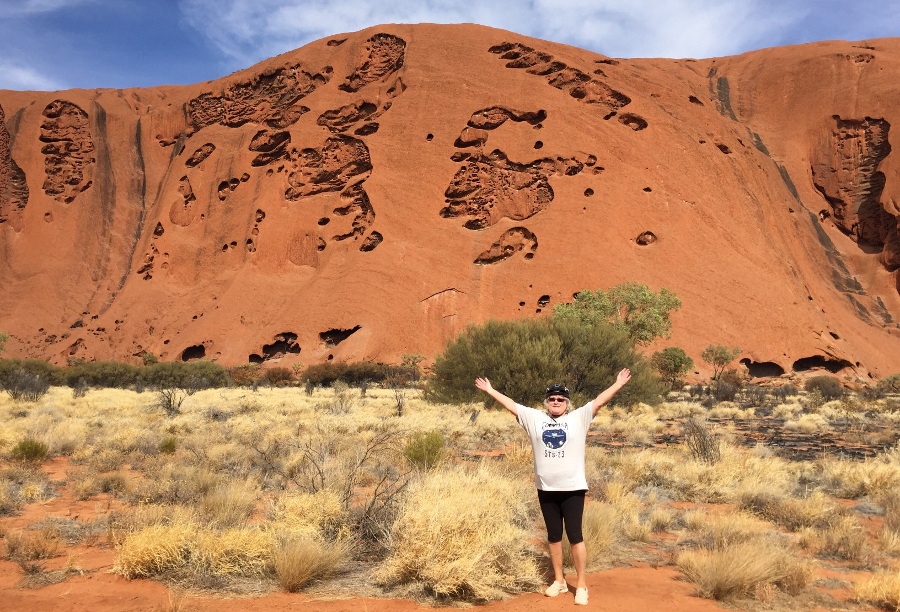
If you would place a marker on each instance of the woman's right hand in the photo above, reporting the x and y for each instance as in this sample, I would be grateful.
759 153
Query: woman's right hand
484 384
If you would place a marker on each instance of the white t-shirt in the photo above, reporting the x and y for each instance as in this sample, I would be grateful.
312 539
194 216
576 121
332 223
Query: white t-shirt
558 446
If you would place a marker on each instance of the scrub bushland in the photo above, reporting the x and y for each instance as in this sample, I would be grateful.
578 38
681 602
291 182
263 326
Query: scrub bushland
274 488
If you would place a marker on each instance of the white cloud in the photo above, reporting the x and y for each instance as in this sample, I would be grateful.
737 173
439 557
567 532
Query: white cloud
11 8
21 77
251 31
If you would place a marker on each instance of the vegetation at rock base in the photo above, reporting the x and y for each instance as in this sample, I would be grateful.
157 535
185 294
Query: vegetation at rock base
719 356
521 358
672 363
633 307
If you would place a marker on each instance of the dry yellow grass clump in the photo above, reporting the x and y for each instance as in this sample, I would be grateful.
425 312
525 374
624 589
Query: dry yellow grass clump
298 560
601 528
736 570
882 590
473 547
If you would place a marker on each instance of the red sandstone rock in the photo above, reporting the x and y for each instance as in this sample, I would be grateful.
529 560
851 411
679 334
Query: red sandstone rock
368 198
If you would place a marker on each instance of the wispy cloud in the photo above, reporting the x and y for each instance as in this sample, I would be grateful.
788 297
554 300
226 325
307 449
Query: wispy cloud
22 77
251 31
12 8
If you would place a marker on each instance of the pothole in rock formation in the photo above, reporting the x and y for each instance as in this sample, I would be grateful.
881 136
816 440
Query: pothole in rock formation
282 344
193 353
819 362
514 240
762 369
646 238
333 337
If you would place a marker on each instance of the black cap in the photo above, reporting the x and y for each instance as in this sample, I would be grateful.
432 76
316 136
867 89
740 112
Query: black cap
557 389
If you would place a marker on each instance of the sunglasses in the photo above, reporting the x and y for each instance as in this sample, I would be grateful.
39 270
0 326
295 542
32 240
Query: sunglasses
556 399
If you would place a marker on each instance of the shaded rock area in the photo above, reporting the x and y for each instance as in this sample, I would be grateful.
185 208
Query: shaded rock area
849 179
13 185
68 160
393 185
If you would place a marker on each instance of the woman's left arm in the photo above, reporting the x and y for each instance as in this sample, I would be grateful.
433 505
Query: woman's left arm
606 395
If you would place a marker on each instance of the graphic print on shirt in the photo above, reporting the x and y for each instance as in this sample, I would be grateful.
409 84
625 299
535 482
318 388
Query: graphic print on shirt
554 438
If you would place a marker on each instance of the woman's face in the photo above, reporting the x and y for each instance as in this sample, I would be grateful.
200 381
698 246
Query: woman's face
556 405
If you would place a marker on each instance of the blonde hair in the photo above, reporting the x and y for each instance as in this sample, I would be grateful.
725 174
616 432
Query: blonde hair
568 404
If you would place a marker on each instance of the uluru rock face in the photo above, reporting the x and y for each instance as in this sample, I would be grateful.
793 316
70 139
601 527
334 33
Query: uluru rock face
370 194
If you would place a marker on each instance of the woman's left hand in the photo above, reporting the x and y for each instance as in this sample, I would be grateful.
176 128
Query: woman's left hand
624 376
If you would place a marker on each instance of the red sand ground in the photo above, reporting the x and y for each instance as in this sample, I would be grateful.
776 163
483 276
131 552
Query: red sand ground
370 194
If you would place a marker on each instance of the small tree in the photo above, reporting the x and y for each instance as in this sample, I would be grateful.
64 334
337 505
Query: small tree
3 338
410 362
149 358
672 363
643 313
719 356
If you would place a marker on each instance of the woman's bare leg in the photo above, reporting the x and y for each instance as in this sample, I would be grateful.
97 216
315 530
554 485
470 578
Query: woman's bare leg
579 556
556 558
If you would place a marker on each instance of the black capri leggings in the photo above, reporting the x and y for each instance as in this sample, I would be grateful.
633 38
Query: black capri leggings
562 506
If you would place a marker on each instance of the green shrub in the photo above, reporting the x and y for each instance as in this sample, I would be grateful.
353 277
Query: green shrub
521 358
194 375
828 386
632 307
29 449
3 339
719 356
354 373
168 445
102 374
424 450
672 363
48 372
891 384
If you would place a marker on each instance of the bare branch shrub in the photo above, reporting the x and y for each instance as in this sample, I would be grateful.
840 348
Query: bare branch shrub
703 444
22 385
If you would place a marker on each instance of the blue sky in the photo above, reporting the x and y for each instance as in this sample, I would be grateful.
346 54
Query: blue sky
59 44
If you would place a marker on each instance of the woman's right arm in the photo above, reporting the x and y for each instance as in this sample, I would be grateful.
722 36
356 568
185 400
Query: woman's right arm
485 385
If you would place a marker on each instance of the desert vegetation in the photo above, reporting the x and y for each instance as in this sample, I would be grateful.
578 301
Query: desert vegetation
276 489
305 479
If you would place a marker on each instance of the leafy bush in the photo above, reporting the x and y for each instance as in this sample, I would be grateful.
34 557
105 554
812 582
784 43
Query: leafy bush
828 386
672 363
48 372
424 450
186 375
719 356
891 384
103 374
278 376
324 374
632 307
168 445
523 357
3 339
246 374
29 450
